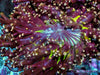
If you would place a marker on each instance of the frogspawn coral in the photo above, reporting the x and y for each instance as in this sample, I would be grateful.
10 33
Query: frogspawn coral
47 38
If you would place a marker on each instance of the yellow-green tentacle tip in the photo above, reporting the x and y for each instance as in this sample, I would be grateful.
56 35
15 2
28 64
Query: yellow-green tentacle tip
76 18
40 31
58 59
83 27
56 20
51 68
51 54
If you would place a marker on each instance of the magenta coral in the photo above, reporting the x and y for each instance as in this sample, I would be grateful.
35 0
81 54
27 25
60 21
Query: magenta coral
49 36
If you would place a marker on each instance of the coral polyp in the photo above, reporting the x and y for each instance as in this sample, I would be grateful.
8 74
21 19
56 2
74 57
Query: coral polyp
49 36
56 33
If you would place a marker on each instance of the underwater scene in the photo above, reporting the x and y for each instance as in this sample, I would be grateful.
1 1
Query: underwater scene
49 37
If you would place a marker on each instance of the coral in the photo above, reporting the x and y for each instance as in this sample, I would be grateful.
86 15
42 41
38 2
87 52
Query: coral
50 37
